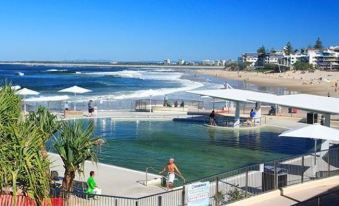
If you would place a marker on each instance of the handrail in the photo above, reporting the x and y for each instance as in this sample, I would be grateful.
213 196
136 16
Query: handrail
147 169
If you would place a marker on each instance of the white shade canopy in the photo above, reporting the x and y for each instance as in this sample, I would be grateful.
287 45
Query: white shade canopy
307 102
314 131
26 92
237 95
75 90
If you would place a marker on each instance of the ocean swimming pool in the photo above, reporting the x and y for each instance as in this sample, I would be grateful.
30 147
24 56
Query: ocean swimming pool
199 151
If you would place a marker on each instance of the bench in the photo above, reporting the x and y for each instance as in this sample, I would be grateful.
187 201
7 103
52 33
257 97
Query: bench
73 113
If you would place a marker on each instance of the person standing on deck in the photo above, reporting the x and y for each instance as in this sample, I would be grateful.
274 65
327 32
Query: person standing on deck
90 108
171 169
212 119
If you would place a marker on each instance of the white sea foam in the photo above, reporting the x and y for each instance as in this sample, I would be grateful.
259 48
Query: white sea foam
56 70
186 86
146 75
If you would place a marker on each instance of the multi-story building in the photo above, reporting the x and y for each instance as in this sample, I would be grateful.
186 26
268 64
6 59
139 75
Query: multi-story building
313 55
273 58
289 60
328 59
250 58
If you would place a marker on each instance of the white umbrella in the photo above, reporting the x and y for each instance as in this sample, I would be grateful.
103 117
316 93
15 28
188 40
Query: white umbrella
75 90
26 92
313 131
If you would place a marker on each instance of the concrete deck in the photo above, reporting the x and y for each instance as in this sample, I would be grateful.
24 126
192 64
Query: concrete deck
291 195
113 180
128 115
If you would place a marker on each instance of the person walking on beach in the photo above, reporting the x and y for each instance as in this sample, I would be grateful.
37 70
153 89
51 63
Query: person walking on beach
92 187
171 169
90 108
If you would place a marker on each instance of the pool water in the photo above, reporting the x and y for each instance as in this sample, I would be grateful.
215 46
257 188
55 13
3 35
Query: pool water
199 151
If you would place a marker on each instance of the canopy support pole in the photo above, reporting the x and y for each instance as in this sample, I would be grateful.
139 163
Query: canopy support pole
237 115
326 144
315 152
150 103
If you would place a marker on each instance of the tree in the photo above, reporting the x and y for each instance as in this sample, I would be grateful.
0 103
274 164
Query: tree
288 49
10 106
261 55
23 169
75 145
47 123
261 50
273 51
300 65
318 44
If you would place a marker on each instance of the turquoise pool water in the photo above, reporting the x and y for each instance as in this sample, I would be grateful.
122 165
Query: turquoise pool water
199 151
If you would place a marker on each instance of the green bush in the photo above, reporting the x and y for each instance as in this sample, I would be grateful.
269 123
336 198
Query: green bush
299 65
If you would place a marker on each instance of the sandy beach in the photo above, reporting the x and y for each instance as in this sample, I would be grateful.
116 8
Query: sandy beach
317 82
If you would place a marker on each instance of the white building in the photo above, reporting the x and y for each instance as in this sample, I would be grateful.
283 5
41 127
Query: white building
167 61
289 60
249 58
273 58
181 62
208 62
329 58
313 55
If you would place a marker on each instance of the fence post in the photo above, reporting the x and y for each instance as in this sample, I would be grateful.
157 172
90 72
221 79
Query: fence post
246 183
302 167
159 200
328 163
275 176
183 196
216 190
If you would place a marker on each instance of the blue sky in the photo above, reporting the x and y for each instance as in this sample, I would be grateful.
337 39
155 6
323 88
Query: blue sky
158 29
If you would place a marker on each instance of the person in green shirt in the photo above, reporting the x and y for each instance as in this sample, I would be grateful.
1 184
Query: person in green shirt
92 185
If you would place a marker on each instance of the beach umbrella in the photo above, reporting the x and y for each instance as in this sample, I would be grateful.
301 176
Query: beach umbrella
75 90
26 92
313 131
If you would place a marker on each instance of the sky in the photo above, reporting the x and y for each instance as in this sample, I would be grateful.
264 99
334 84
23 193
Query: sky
153 30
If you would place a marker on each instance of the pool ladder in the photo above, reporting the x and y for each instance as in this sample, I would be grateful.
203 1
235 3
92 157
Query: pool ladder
151 168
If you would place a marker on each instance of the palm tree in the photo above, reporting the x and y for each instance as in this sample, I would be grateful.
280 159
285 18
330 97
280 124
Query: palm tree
47 123
22 166
75 144
10 105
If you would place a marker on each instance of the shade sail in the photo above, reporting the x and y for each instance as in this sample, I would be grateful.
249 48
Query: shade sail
234 94
314 131
75 90
308 102
27 92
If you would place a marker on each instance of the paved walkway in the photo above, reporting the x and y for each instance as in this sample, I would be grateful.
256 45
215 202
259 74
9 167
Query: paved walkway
113 180
291 195
129 115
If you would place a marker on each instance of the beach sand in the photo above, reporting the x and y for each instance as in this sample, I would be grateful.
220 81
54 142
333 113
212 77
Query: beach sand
317 82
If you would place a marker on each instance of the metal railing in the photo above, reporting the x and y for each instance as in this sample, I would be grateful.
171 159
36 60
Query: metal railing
145 104
230 186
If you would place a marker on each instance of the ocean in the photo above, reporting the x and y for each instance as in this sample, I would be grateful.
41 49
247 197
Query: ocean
119 86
